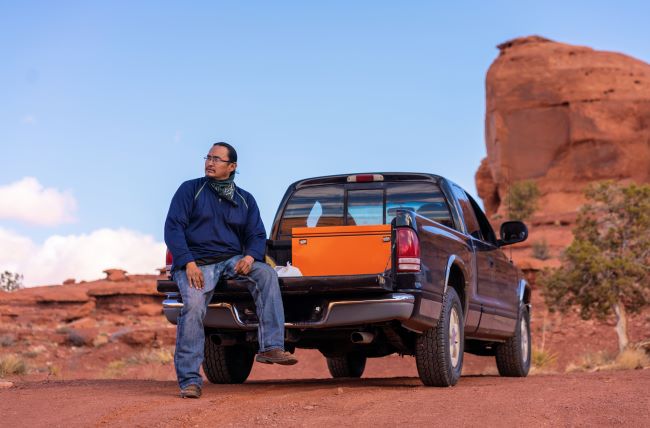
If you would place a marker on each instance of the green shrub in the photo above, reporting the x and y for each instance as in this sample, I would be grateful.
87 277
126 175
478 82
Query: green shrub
605 271
521 200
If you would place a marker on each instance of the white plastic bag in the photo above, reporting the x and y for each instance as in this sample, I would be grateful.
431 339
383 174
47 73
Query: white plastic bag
288 270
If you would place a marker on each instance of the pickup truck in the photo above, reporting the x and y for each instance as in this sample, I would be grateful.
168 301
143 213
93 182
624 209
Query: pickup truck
401 263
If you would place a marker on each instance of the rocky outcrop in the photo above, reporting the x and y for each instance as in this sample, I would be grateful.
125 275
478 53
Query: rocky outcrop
563 116
134 296
116 275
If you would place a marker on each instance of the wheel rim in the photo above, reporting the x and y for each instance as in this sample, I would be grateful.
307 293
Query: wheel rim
523 331
454 337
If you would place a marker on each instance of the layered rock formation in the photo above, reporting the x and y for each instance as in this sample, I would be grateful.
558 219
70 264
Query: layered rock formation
562 116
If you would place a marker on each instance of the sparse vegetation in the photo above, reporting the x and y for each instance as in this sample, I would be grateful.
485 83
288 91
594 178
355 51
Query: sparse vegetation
152 356
629 359
10 281
521 200
543 360
591 361
540 250
12 364
53 371
117 368
606 268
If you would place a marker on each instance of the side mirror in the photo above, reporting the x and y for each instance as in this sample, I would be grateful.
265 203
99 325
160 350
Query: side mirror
513 232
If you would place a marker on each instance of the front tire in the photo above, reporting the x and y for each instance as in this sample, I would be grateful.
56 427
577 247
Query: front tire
227 364
513 356
439 350
349 365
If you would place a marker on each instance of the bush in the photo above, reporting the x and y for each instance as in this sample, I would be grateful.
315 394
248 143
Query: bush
10 281
12 364
521 200
631 359
542 359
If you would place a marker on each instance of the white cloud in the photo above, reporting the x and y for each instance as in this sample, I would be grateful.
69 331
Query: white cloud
28 201
82 257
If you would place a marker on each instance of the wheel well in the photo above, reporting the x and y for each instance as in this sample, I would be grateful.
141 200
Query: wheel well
527 296
457 282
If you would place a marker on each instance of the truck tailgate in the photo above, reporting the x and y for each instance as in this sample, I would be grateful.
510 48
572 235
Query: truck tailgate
341 250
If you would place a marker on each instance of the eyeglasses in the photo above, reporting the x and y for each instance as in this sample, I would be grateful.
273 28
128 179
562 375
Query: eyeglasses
215 159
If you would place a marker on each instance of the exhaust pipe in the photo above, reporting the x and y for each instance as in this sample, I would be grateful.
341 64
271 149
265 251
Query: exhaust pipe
362 337
223 339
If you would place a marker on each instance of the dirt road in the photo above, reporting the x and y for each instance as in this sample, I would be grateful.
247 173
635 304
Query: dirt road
583 399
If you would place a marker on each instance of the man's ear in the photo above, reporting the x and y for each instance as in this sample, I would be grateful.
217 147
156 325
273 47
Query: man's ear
233 167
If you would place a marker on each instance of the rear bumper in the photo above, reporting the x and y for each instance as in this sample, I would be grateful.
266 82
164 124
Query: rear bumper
337 313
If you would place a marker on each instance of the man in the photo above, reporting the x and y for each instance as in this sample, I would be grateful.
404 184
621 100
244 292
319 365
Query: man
214 229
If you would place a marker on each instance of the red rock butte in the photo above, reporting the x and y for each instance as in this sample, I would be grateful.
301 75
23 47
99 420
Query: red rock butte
564 116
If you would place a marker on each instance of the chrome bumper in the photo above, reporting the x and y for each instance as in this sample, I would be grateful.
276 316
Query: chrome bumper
396 306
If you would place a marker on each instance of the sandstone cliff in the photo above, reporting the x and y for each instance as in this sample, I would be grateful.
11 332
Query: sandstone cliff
563 116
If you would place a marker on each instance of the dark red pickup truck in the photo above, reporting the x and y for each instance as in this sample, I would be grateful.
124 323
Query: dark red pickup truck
401 263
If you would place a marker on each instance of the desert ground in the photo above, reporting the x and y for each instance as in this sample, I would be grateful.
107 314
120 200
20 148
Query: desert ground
579 399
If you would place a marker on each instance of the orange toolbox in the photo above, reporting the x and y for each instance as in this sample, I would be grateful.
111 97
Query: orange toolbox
341 250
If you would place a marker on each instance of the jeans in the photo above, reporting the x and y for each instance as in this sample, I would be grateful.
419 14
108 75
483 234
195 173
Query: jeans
190 335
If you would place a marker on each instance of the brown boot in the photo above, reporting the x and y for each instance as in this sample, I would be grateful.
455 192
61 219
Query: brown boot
191 391
276 356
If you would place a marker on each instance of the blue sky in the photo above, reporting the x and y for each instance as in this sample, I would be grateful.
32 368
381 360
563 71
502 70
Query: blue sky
109 106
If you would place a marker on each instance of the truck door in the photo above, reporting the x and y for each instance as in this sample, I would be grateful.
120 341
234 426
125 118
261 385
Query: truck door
483 256
499 295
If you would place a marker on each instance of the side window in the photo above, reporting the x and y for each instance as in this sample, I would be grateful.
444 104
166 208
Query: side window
426 199
365 207
471 222
484 223
313 207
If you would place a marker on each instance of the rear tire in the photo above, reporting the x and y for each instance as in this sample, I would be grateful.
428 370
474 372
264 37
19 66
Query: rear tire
439 350
349 365
227 364
513 356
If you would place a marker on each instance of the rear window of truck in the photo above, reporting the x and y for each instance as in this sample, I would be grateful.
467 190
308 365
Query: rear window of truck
324 205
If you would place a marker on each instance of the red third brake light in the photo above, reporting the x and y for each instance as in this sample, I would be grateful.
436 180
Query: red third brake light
408 250
365 178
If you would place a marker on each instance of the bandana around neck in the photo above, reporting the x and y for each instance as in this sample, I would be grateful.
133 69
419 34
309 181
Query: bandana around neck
225 188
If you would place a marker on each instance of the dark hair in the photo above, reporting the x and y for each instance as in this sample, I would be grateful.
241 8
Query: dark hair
232 153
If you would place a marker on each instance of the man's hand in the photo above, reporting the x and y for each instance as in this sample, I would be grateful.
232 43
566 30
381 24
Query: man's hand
194 275
244 265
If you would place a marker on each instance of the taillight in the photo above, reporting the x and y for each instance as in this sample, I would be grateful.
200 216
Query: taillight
168 261
408 250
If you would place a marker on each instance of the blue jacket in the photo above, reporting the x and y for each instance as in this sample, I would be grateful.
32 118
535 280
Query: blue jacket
201 225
